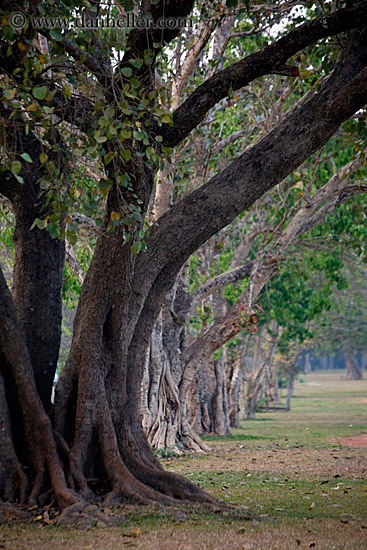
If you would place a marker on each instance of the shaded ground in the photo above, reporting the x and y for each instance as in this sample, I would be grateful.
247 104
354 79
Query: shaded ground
289 469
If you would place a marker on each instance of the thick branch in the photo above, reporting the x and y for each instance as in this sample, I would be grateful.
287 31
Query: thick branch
142 39
266 61
227 141
96 66
219 282
200 39
192 221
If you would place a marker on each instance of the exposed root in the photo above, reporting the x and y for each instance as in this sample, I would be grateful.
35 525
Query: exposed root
169 483
37 486
85 515
10 513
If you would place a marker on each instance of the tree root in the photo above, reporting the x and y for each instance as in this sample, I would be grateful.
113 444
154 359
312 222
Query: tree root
10 512
85 515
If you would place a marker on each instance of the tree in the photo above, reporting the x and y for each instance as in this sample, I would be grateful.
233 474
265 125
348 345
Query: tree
90 104
343 327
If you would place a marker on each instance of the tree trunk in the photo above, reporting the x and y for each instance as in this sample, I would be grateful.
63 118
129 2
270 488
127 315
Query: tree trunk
235 383
257 378
291 375
273 390
354 371
308 367
37 289
220 409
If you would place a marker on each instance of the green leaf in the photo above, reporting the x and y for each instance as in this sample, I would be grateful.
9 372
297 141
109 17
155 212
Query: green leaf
26 157
126 154
107 159
137 63
56 34
41 224
9 94
167 118
44 184
100 139
125 133
40 93
16 166
126 71
138 135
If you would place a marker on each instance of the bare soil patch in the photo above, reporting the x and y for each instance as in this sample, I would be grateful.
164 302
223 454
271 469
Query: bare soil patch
354 441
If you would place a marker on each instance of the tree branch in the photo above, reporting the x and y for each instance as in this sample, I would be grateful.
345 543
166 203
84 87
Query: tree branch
220 281
266 61
227 141
73 262
200 39
141 39
96 66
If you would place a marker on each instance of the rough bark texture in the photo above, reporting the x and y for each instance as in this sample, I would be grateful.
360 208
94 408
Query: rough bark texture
38 267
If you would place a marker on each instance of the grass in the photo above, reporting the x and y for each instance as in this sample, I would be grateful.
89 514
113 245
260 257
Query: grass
287 469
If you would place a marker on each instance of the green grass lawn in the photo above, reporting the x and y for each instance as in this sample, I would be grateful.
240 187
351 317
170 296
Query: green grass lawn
286 471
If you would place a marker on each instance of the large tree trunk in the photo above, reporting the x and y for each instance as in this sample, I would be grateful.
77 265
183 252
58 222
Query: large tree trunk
38 267
165 410
37 284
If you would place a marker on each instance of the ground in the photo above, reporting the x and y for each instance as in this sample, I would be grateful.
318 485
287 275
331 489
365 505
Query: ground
290 471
